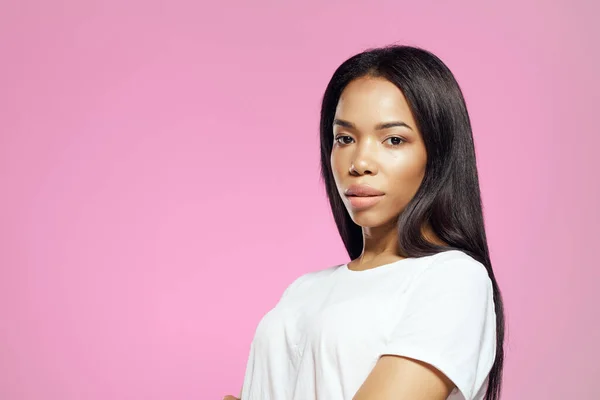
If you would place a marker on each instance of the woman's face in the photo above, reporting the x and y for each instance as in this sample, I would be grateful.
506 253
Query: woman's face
378 157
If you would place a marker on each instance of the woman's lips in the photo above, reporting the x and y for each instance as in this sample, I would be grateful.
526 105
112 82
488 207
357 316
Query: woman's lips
363 196
362 190
363 202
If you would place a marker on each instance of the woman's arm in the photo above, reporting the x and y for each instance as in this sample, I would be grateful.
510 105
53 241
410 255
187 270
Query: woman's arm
400 378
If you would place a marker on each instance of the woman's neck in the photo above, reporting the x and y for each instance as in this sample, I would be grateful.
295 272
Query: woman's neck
380 246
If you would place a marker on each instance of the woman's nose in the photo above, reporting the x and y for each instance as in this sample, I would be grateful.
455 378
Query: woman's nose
364 161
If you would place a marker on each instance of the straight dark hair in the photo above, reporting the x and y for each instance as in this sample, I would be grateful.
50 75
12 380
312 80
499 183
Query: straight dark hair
449 197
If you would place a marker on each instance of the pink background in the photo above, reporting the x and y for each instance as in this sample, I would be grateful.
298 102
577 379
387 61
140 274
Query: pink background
160 186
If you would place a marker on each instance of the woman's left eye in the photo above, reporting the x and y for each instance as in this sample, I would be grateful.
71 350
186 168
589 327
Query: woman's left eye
394 141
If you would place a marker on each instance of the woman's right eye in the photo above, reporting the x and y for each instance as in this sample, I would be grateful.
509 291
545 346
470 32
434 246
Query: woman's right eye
343 139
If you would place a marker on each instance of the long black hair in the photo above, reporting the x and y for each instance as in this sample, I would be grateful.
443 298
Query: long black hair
449 197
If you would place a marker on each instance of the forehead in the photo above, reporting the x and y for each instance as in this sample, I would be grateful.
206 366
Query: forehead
372 98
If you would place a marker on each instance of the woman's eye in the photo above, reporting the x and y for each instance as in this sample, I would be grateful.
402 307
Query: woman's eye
342 139
395 141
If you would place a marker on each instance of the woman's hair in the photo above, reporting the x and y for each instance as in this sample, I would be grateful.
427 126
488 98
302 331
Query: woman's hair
449 198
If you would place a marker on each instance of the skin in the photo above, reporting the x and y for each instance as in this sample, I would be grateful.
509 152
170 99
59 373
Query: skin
377 143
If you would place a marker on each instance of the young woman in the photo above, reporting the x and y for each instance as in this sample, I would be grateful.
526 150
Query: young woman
417 313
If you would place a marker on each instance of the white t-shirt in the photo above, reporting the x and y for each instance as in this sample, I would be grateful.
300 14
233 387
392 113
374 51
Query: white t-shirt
330 327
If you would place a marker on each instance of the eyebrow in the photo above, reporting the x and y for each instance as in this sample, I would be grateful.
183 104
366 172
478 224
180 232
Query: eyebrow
380 126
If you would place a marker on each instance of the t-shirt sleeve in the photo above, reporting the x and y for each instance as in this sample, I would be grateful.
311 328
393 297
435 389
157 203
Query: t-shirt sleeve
450 322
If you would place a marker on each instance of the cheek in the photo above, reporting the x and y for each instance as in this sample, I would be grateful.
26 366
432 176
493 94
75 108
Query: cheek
406 176
337 164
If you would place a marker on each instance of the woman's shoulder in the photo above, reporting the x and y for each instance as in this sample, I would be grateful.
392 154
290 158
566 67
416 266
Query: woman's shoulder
310 277
458 260
455 268
316 274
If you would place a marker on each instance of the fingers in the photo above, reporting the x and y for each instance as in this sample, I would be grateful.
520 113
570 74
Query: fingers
230 397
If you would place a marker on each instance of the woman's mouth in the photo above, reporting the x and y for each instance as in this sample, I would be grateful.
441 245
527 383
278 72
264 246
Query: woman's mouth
363 202
363 196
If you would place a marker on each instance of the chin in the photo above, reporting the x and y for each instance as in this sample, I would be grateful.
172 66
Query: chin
369 218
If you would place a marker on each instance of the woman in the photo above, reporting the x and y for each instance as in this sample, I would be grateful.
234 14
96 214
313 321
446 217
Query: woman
416 313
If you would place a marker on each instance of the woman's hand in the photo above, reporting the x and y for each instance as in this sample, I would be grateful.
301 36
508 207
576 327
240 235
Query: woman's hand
230 397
